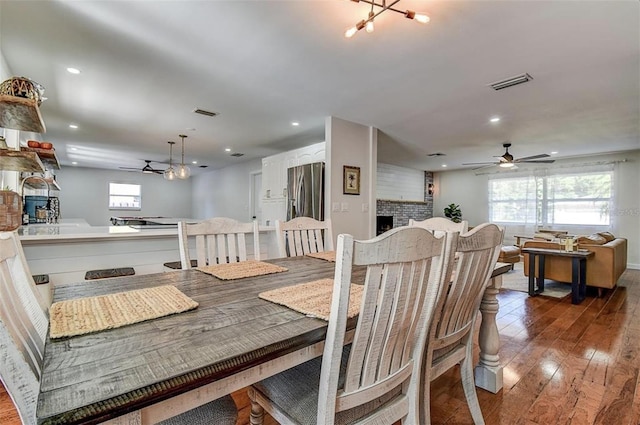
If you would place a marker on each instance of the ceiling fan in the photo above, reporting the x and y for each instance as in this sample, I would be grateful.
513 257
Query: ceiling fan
507 160
147 169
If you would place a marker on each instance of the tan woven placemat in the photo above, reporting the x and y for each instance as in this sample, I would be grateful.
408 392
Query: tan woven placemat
313 298
242 269
93 314
326 255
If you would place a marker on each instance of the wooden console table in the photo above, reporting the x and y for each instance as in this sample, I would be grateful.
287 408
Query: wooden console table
578 270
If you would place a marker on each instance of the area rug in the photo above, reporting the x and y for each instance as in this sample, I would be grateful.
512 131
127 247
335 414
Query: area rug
249 268
92 314
515 280
313 298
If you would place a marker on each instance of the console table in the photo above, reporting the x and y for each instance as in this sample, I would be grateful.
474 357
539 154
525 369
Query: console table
578 270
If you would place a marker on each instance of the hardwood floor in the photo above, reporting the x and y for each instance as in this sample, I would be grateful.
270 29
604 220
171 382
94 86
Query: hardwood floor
563 364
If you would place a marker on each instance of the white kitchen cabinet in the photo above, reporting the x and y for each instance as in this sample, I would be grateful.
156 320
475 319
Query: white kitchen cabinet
272 210
274 177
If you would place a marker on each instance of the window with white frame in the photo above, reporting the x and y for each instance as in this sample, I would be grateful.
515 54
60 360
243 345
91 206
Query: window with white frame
125 196
564 197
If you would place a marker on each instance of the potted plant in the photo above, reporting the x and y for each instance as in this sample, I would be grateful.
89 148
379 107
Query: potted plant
452 212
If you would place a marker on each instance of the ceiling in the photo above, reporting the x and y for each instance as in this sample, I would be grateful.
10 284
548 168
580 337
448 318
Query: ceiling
146 65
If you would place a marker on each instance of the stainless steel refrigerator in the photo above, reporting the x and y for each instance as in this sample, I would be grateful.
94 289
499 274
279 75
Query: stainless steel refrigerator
305 191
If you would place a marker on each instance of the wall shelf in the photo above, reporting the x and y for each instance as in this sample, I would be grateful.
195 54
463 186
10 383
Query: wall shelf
19 113
11 160
47 156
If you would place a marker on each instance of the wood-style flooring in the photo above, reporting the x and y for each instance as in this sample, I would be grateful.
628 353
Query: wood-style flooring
563 364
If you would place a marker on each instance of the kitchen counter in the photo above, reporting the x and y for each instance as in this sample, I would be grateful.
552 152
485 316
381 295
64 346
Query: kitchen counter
42 232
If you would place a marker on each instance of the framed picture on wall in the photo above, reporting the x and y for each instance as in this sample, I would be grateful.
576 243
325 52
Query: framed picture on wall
351 180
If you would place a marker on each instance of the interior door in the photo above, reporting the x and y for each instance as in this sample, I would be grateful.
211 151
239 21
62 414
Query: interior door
256 197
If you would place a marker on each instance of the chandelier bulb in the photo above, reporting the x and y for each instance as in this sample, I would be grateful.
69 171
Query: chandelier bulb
421 18
369 25
351 31
169 174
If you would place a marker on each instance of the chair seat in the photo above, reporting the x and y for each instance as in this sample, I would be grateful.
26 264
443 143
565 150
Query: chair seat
222 411
107 273
295 391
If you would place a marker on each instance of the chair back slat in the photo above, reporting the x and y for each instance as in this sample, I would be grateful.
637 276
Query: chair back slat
23 328
405 270
303 235
219 240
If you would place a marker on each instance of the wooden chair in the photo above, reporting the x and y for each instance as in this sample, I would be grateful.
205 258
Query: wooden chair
377 378
23 329
450 339
303 235
219 240
441 223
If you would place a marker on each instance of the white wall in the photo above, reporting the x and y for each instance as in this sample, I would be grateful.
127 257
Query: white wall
352 144
225 192
470 191
85 194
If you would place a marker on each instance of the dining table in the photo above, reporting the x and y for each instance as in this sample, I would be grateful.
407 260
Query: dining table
149 371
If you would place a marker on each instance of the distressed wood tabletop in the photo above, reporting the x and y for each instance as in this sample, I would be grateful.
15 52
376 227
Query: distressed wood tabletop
91 378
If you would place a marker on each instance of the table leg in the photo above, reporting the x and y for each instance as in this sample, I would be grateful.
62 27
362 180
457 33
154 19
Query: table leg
488 372
578 279
532 274
540 280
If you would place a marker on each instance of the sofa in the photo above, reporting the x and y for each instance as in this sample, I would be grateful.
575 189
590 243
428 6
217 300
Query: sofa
603 269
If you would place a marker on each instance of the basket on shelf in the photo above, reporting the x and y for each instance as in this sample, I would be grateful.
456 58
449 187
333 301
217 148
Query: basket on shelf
10 210
22 87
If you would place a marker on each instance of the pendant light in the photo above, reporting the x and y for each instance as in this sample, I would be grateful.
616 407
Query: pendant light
170 173
183 171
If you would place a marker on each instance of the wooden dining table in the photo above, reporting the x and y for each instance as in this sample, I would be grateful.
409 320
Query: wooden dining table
149 371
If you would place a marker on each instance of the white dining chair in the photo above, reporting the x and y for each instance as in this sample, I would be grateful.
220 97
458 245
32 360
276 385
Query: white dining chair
23 329
303 235
376 379
441 223
218 240
450 337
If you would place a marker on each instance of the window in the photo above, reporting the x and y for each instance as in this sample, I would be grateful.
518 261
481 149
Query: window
123 196
581 198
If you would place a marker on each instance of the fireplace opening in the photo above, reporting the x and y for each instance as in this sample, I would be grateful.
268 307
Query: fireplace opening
383 223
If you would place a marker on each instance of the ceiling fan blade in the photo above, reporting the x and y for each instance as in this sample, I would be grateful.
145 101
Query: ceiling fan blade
526 158
543 161
480 163
129 168
483 167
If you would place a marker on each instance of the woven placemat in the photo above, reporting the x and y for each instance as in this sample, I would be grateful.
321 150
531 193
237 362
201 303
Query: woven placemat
93 314
313 298
326 255
242 269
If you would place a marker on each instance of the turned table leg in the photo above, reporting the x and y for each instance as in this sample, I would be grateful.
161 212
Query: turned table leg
488 372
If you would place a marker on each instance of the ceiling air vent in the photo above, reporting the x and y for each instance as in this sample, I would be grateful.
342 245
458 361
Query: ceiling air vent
437 154
237 154
205 113
513 81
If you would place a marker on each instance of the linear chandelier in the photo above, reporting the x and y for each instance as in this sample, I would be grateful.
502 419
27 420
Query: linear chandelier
367 24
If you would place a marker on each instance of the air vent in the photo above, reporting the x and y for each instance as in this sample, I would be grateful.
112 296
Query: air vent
205 113
437 154
513 81
237 154
203 166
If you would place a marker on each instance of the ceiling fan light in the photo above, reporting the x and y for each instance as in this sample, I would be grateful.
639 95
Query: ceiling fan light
507 164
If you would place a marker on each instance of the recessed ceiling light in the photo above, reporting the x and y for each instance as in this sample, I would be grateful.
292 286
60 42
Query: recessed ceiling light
554 152
227 149
444 165
194 162
74 163
73 70
295 123
73 126
495 119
